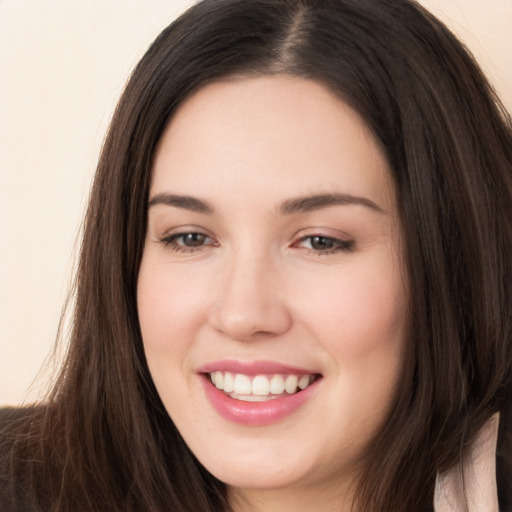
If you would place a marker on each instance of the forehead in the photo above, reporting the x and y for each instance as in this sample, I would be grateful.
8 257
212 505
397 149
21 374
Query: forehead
271 134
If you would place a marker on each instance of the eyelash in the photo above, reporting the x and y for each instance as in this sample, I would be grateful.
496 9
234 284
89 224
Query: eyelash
171 241
336 244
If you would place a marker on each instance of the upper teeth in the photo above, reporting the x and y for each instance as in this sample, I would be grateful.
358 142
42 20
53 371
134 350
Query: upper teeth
245 387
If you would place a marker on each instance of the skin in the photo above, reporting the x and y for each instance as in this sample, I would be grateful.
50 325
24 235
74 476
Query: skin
255 287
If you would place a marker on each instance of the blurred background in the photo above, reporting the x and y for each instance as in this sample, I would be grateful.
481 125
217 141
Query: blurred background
63 65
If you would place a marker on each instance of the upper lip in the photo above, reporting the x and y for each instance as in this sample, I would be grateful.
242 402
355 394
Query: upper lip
253 367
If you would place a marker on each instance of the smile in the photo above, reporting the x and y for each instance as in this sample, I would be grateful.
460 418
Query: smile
257 393
259 388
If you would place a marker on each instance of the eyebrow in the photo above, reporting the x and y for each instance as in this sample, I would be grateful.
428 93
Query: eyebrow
319 201
186 202
289 207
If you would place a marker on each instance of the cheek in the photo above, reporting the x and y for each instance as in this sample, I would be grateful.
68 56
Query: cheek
170 307
360 312
360 322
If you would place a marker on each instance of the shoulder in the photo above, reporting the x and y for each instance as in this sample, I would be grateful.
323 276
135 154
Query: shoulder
14 427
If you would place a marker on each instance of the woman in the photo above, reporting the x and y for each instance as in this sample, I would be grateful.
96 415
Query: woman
294 288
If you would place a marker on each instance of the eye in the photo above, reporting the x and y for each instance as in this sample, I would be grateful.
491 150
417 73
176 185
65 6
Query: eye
320 244
188 242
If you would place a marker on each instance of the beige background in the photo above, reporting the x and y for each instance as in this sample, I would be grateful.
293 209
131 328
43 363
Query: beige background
63 64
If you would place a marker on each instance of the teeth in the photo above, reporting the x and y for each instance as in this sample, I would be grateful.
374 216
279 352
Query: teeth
242 385
277 385
303 382
252 398
229 382
290 384
218 379
260 387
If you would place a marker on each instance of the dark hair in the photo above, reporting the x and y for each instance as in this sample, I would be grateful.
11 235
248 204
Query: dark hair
104 440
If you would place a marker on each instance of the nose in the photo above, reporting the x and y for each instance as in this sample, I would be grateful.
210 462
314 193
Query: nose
251 303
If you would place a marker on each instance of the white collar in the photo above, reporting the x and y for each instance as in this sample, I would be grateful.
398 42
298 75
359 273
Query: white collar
475 482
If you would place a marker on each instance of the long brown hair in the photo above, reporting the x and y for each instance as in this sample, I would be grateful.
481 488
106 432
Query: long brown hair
104 440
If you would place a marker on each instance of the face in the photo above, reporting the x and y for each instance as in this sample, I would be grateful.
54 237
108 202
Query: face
272 268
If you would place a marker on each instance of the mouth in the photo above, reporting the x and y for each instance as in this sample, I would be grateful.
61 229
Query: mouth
260 388
257 393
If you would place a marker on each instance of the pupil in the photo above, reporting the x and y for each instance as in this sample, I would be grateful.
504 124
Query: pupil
321 242
193 239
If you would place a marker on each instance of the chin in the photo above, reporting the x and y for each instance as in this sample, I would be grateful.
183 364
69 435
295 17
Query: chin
259 477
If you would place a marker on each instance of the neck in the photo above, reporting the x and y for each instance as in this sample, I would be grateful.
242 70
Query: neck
298 499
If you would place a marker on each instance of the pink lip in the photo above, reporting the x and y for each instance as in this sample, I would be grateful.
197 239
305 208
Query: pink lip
254 413
252 367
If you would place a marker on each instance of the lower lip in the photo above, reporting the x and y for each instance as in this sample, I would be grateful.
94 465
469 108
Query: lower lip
256 413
